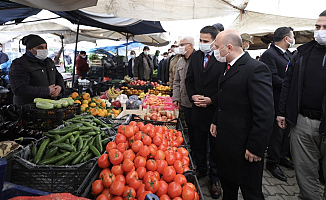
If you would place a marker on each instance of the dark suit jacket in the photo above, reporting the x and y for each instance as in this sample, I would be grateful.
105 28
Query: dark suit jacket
277 61
244 119
203 82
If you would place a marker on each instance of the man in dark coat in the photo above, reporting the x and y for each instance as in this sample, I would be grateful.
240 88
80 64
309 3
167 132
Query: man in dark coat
201 85
82 66
143 68
3 56
303 106
165 70
131 64
277 58
34 74
243 121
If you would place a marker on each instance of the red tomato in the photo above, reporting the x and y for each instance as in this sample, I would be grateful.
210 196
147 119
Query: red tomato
159 129
120 138
103 172
117 170
140 125
131 175
138 136
129 154
151 165
97 187
181 179
157 140
152 133
127 165
147 140
146 129
117 188
186 168
169 174
141 172
149 174
106 192
161 164
111 145
160 155
121 178
129 131
177 198
122 147
174 190
143 195
177 155
115 156
170 158
108 180
165 197
188 193
133 123
151 184
162 147
136 146
152 151
102 197
129 193
131 140
135 183
162 188
121 129
178 166
192 186
140 162
196 196
140 190
117 198
144 151
103 161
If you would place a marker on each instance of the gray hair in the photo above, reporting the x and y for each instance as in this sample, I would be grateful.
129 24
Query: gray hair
189 39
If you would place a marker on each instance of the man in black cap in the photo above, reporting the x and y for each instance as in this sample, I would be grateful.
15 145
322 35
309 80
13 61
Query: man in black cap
34 74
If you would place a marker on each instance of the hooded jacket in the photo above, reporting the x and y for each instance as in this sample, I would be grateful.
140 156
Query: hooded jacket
81 65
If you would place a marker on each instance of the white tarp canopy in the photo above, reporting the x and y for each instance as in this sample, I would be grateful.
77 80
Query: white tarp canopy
57 5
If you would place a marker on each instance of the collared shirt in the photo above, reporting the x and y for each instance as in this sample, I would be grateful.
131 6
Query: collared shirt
235 60
132 65
206 59
280 48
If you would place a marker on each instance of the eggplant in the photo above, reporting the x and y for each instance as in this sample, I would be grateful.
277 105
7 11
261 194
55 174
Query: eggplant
25 140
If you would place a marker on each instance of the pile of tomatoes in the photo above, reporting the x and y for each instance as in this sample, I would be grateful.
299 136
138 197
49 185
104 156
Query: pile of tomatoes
144 159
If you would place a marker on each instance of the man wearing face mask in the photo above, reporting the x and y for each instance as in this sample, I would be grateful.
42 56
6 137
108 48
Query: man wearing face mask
246 41
165 71
3 56
131 64
173 65
180 98
34 74
277 58
302 107
160 65
243 119
143 68
82 66
202 89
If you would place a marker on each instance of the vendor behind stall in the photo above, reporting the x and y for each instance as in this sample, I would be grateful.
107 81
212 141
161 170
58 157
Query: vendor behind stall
34 74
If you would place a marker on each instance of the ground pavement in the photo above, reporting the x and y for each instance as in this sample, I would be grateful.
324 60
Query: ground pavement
273 189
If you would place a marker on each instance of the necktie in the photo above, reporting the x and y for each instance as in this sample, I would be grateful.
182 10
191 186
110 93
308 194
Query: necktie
208 57
227 69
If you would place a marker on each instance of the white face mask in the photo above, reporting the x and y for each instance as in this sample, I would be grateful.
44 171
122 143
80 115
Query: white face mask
247 47
132 56
320 37
83 56
170 54
217 55
41 54
182 50
176 50
173 53
206 48
291 44
146 53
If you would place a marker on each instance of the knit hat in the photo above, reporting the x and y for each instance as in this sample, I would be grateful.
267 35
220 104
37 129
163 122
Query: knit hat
32 41
247 37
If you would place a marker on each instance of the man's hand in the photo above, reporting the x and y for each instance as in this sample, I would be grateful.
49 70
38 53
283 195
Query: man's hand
281 122
201 101
52 89
213 130
251 157
56 91
176 103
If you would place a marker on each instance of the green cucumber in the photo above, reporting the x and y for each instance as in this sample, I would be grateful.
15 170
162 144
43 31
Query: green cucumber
70 101
85 128
64 146
41 151
87 157
67 159
50 153
80 143
92 133
99 122
34 150
105 141
62 139
54 159
44 105
94 150
98 143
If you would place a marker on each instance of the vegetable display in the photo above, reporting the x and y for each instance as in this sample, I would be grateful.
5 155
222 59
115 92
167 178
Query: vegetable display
144 159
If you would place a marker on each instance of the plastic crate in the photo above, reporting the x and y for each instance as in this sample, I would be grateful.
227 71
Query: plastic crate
115 122
172 124
85 188
39 119
47 178
11 190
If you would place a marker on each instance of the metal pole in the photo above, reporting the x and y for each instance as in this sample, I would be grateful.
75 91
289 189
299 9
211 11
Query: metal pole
126 55
73 69
63 52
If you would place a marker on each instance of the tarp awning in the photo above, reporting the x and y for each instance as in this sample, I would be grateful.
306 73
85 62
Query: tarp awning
57 5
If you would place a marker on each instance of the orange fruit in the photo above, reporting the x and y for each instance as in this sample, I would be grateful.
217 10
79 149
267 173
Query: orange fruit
103 104
74 95
77 101
86 96
92 104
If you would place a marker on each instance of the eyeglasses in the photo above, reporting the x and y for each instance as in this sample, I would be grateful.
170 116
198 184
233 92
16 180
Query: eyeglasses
183 44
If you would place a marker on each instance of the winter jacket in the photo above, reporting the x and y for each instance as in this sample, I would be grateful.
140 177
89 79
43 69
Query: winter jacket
3 58
30 78
139 66
172 68
81 65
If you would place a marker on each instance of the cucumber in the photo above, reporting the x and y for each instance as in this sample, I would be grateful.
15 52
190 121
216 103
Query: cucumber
34 150
99 122
92 133
62 139
91 141
41 151
42 100
64 103
54 159
67 159
64 130
49 135
98 143
87 157
57 104
75 139
64 146
80 156
94 150
80 143
44 105
56 137
72 138
50 153
105 141
70 101
85 128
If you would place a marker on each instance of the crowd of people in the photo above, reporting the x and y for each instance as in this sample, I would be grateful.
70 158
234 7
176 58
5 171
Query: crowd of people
237 108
